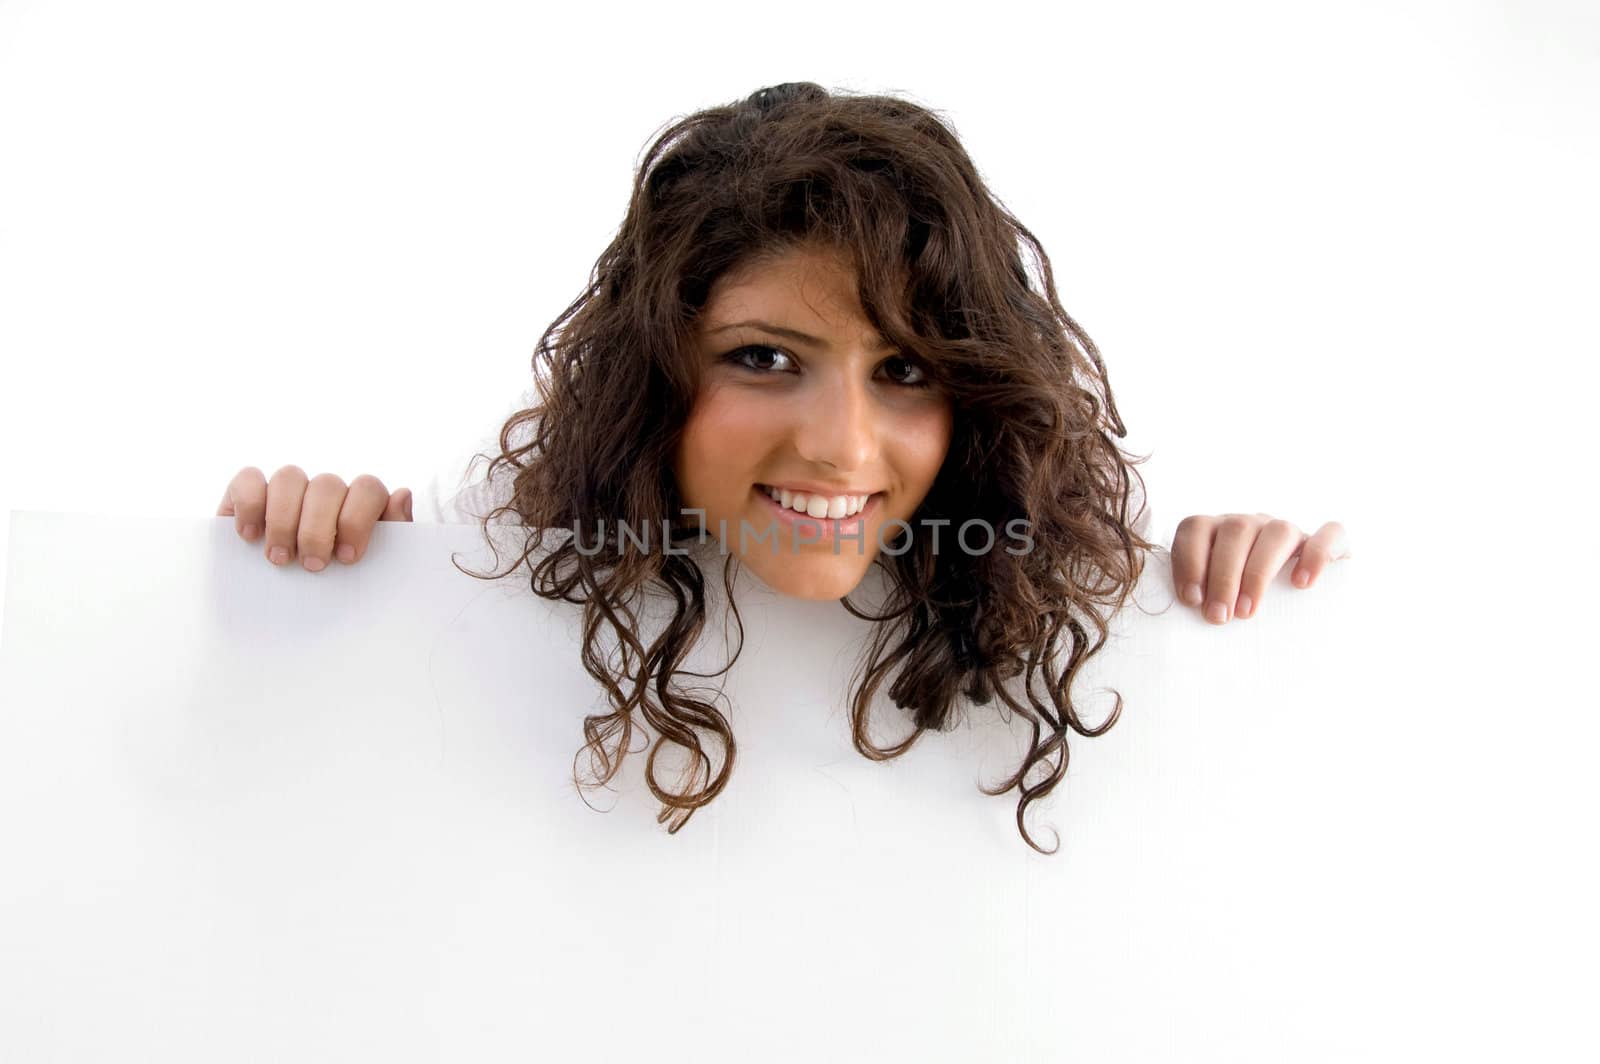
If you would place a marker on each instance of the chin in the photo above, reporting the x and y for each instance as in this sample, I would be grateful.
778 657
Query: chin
822 580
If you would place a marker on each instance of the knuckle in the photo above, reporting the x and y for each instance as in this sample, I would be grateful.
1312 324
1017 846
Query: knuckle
328 480
1280 526
247 486
1191 527
369 483
289 472
1237 522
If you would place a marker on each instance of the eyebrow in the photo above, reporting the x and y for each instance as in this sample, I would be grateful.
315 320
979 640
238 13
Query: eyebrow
881 344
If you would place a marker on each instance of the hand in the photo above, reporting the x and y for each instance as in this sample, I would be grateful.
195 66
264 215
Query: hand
315 520
1233 557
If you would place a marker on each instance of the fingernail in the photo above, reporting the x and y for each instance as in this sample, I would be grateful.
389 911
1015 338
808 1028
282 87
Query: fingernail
1244 606
1301 578
1217 613
313 564
248 532
346 553
279 555
1191 595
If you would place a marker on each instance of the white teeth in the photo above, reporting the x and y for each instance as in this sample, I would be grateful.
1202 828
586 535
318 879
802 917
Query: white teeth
819 506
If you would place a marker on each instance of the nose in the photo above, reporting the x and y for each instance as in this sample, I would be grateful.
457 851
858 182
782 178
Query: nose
838 422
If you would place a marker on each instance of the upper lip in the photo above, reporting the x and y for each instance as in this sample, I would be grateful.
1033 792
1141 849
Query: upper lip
813 488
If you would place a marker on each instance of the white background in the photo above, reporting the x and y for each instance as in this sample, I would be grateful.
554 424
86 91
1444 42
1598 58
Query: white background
1340 260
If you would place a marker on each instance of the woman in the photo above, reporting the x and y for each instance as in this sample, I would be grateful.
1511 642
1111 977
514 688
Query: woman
816 347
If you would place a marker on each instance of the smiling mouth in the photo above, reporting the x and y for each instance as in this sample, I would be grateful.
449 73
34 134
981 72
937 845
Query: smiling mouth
820 525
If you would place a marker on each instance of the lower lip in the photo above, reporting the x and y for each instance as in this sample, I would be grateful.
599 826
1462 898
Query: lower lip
823 528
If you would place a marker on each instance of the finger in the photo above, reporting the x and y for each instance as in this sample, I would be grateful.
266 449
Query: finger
1230 547
284 494
1275 544
245 500
319 520
1329 544
399 508
364 507
1191 546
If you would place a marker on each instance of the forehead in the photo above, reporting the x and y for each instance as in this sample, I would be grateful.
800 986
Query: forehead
798 274
810 293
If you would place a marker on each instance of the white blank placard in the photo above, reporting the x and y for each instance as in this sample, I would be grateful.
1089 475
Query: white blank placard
260 813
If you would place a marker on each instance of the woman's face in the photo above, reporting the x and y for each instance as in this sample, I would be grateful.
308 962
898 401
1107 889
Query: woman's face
827 414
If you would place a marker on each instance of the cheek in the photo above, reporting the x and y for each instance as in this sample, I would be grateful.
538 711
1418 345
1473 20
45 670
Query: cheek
721 440
925 441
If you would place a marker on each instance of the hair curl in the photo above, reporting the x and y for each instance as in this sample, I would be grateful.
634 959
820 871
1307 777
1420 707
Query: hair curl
940 271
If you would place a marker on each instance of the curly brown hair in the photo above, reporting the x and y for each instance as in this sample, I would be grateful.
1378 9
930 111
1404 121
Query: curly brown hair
940 270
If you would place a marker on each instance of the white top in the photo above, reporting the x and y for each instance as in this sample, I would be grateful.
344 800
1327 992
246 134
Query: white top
460 492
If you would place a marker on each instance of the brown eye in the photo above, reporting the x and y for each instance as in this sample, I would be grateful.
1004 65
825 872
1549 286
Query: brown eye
742 357
916 377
